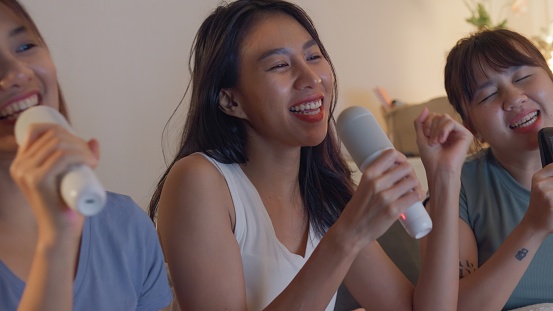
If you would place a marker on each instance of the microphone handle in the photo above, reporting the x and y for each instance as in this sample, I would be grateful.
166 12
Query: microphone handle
365 140
79 187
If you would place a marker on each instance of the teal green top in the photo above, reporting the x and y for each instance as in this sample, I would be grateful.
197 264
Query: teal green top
492 203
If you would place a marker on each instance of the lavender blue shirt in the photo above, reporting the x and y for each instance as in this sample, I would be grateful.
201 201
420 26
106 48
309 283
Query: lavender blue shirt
121 265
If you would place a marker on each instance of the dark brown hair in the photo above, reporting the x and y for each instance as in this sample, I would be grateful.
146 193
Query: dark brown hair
498 49
324 177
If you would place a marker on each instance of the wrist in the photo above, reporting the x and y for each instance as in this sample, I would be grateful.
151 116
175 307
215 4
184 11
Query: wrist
341 240
57 242
443 177
59 238
529 228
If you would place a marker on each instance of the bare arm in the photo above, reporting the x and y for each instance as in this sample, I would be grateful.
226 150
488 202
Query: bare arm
349 252
376 283
443 144
48 152
437 286
195 223
489 287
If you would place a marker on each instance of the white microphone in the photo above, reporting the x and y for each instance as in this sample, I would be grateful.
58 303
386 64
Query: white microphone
79 187
365 140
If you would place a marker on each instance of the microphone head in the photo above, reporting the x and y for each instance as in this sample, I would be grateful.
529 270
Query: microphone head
361 134
37 114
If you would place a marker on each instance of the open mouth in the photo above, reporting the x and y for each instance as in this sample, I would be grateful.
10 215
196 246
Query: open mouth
310 108
526 121
11 111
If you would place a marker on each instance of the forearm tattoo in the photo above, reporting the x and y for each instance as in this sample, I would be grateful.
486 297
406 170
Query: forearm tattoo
521 254
466 268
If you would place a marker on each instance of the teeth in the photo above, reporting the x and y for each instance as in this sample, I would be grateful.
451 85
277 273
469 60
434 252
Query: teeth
312 106
14 108
526 121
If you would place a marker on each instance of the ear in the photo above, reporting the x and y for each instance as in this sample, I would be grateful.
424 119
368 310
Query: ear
229 105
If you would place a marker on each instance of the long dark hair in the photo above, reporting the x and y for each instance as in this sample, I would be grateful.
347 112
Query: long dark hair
497 48
324 177
20 11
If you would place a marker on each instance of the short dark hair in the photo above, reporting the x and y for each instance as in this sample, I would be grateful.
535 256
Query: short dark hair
497 48
325 178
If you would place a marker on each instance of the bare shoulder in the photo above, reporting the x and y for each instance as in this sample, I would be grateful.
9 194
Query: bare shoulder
195 167
195 188
195 224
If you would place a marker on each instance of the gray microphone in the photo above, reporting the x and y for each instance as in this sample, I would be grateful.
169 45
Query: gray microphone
365 140
79 187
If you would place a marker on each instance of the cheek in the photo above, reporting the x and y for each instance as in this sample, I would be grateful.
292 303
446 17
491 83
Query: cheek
48 75
475 117
328 84
326 76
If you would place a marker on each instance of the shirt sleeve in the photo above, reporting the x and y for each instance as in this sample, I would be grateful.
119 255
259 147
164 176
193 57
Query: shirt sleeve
463 208
156 293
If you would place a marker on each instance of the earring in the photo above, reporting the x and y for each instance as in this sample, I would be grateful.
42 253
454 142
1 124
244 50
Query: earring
1 84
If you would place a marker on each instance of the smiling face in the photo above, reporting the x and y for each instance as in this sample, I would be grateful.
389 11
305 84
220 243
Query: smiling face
27 74
510 106
284 86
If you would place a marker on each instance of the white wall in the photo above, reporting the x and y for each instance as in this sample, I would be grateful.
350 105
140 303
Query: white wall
123 64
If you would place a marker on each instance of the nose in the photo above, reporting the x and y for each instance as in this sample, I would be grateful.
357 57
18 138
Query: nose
514 99
307 77
13 73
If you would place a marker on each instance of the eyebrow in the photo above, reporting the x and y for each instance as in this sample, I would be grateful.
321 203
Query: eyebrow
18 30
285 51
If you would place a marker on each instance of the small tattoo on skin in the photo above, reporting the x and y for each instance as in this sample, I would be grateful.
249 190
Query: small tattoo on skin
466 269
521 254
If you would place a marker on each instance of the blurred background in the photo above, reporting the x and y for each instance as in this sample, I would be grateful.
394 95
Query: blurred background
123 64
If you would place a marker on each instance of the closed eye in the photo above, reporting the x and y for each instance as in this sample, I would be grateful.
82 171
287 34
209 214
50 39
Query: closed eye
487 97
521 79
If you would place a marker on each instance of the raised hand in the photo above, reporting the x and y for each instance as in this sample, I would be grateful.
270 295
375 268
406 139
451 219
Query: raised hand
540 210
45 155
443 142
386 189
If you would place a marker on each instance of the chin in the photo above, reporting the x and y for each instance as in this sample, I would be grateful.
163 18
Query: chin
315 141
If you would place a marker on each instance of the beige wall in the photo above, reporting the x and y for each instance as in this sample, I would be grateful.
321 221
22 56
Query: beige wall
123 64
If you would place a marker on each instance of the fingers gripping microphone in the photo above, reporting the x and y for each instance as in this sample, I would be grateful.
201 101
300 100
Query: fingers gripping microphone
365 140
79 188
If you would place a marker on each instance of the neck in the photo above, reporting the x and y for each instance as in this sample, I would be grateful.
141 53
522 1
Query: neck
274 170
274 174
14 208
521 165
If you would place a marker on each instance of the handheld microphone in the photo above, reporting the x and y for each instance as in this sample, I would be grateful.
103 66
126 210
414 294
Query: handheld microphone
79 187
545 143
365 140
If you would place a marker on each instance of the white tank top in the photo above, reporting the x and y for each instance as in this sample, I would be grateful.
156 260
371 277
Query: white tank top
268 265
